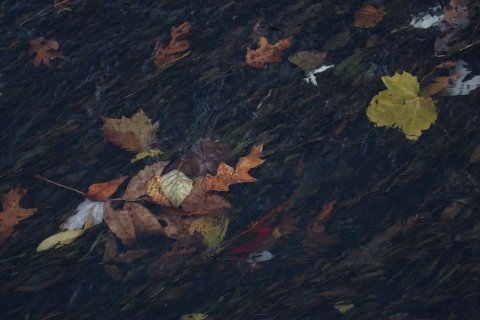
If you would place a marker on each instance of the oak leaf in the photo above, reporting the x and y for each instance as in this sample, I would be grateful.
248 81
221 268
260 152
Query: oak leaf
368 17
42 48
12 212
400 106
137 186
176 186
103 191
169 54
267 53
226 175
134 135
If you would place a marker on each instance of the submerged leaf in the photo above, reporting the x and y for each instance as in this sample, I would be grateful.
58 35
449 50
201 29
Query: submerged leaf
169 54
134 135
145 154
213 228
368 17
176 186
400 106
267 53
308 60
103 191
43 50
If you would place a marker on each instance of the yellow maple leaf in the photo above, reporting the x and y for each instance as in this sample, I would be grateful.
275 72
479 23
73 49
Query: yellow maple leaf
400 106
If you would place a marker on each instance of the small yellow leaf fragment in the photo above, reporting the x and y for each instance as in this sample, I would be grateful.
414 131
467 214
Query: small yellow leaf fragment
64 238
176 186
144 154
213 228
342 307
400 106
194 316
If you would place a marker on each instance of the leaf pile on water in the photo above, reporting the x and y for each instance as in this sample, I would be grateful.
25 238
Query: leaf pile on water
169 54
368 17
43 50
12 212
266 52
400 106
134 135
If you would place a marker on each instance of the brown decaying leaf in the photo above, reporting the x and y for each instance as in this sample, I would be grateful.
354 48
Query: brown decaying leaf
41 47
134 135
267 53
440 84
475 157
180 228
144 221
308 61
103 191
457 12
12 212
120 222
113 272
137 186
299 167
154 191
368 17
110 248
202 158
166 55
130 255
226 175
197 202
446 64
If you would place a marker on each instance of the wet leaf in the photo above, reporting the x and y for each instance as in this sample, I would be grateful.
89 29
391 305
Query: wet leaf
202 158
226 175
267 53
343 307
154 190
439 84
76 221
113 272
144 221
137 186
308 60
198 202
134 135
195 316
110 248
180 228
64 238
103 191
145 154
130 255
176 186
213 228
43 50
400 106
368 17
12 212
120 222
171 53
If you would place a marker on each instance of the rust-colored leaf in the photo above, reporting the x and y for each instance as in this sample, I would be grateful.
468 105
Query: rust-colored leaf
368 17
12 212
137 186
103 191
154 190
326 210
439 84
134 135
171 53
43 50
299 167
120 222
197 202
267 53
202 158
130 255
226 175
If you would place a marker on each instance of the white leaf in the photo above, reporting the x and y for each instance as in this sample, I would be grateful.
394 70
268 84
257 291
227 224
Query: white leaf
427 21
460 87
311 75
259 257
76 221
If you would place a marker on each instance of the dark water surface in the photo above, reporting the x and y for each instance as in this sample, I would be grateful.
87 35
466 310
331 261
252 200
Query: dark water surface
401 240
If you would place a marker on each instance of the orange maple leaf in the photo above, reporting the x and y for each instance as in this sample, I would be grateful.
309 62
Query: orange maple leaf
41 47
226 175
166 55
103 191
267 53
12 212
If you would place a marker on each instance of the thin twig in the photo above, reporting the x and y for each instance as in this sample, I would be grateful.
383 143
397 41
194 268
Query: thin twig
60 185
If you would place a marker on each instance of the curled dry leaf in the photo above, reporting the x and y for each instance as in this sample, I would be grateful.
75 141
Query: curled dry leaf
134 135
176 186
169 54
368 17
308 60
12 212
103 191
137 186
154 190
202 158
42 48
267 53
226 175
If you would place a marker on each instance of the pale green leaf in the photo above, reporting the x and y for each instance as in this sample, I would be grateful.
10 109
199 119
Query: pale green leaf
176 186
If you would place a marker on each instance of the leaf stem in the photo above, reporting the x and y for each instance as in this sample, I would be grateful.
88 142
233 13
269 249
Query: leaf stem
58 184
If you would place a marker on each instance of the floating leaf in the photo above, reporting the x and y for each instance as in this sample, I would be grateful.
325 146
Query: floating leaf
308 60
145 154
144 221
176 186
213 228
154 190
267 53
42 48
110 248
134 135
103 191
400 106
65 237
83 210
195 316
343 307
169 54
226 175
368 17
130 255
198 202
137 186
12 212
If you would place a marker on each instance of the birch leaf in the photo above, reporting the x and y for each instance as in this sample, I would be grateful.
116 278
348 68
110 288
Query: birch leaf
176 186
